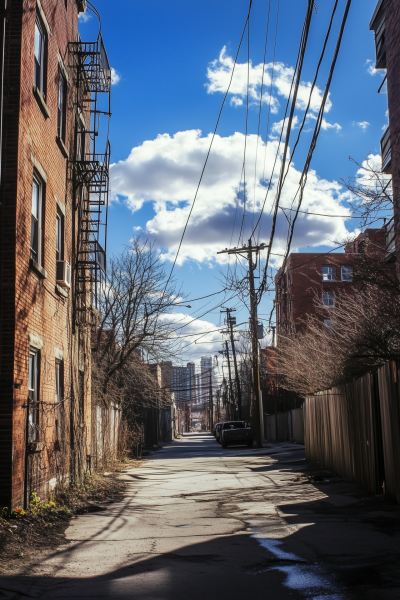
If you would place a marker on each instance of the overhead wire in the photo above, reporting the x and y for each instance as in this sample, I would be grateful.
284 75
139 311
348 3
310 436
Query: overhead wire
210 145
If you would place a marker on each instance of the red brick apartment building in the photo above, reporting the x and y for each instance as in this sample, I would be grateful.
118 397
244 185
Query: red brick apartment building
310 275
385 23
54 187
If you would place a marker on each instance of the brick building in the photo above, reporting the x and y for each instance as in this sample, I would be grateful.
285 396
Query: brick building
311 275
385 23
54 189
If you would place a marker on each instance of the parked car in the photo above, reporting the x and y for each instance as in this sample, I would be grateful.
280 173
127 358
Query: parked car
236 432
218 429
215 429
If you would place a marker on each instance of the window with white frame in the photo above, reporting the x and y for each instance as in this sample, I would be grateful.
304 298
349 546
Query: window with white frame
328 274
347 273
61 113
40 52
34 363
59 235
328 298
37 219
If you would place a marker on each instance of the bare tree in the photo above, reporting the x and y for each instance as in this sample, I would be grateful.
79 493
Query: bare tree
134 304
372 190
359 333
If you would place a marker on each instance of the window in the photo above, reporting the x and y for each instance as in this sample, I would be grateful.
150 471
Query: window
40 42
59 235
62 89
328 274
328 298
80 141
33 394
59 383
37 219
347 273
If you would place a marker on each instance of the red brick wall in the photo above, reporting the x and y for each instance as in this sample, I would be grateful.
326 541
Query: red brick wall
302 282
392 19
30 304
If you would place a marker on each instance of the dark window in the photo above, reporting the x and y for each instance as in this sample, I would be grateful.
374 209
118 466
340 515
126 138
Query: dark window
62 92
81 383
347 273
328 273
234 425
328 298
40 47
33 394
59 394
36 219
80 141
59 235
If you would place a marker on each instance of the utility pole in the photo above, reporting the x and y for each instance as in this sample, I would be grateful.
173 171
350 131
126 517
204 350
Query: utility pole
247 252
211 405
229 372
231 321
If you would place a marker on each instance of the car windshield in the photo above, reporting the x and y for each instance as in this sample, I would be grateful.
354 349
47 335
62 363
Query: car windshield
234 425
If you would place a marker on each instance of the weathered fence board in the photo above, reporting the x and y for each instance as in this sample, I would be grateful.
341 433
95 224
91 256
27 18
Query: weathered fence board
354 430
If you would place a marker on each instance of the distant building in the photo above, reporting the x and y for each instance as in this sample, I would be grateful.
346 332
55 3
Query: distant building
206 369
308 276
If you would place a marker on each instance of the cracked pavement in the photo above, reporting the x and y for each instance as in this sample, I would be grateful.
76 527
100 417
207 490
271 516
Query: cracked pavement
201 522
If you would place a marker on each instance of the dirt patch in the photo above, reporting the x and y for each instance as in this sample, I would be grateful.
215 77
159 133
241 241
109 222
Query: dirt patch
23 537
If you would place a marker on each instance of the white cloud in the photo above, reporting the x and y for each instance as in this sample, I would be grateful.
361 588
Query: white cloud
277 127
219 74
84 17
165 171
371 67
115 77
386 125
137 228
363 125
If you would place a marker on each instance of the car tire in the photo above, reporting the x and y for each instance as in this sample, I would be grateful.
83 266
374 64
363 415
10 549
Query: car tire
250 444
224 445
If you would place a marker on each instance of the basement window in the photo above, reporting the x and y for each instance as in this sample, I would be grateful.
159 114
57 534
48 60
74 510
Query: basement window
34 363
328 274
328 298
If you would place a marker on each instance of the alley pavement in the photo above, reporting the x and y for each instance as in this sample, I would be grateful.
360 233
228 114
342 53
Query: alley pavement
202 523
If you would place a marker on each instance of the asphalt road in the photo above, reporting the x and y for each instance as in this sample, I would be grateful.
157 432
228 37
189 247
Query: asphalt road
199 522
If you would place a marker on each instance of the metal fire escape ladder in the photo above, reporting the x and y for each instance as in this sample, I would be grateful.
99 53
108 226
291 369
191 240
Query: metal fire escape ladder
89 172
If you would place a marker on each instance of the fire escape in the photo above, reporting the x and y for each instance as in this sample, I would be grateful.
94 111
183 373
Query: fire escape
89 173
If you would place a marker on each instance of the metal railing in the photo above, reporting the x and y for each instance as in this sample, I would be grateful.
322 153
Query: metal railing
386 152
390 236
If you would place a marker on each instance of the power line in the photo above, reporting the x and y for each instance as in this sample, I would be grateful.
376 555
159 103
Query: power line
211 144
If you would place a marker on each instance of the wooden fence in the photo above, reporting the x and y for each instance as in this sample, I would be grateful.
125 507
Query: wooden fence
290 426
354 430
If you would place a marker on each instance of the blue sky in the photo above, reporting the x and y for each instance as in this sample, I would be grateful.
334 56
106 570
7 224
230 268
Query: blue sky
172 60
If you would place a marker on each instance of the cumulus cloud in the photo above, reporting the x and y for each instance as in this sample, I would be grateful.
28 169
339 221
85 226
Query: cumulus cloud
84 17
370 64
363 125
165 172
219 74
115 77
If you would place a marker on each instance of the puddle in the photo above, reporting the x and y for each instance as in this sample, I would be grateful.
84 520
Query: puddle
313 581
185 526
273 547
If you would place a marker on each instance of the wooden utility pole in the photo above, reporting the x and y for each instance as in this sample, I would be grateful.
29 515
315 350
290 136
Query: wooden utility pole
211 405
230 376
247 252
230 323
